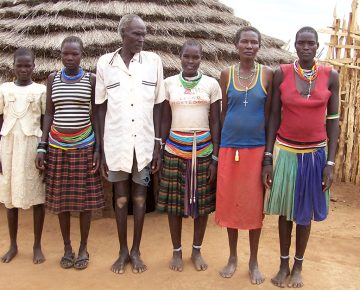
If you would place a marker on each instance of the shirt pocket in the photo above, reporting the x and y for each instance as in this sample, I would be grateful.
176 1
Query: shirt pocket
148 88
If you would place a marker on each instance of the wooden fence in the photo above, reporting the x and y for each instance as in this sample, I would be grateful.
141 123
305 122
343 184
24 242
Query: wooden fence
344 54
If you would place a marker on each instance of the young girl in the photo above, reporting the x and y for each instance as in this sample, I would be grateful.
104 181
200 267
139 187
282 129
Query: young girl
22 103
72 178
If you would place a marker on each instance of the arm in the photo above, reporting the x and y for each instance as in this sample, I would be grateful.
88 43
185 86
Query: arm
100 114
267 80
224 78
1 124
95 124
332 128
155 164
215 137
47 122
272 126
158 107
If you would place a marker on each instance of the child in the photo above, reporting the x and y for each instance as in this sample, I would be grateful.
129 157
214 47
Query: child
22 102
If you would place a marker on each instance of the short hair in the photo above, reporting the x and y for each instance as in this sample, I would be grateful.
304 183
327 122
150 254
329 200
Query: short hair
244 29
24 51
125 20
73 39
307 29
191 42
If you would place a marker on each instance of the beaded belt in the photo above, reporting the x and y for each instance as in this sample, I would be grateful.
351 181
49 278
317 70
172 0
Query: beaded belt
66 141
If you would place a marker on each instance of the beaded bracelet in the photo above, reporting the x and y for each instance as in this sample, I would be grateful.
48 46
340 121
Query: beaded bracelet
330 163
268 154
41 151
214 157
267 162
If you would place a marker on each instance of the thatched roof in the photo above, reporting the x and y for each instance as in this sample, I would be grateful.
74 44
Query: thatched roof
42 25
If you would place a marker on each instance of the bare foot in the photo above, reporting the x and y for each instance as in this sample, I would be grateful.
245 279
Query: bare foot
295 279
229 270
198 261
255 275
138 265
279 279
119 266
9 254
176 263
38 256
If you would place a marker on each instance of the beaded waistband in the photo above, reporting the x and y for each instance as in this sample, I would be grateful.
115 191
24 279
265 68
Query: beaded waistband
66 141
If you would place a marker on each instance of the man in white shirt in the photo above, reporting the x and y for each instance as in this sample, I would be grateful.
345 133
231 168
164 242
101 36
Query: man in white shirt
129 93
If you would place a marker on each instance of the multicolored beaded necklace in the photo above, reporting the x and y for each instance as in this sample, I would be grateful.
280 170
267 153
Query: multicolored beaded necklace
308 75
190 83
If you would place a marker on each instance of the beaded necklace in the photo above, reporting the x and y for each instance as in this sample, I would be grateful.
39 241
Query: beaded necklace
72 78
190 84
308 75
251 78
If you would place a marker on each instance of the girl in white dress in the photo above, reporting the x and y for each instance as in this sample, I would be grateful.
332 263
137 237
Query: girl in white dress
22 103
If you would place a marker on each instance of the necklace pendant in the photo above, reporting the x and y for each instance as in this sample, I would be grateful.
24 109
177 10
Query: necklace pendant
245 102
308 96
187 91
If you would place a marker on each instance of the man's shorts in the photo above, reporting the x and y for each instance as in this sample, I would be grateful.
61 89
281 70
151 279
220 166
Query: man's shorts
142 177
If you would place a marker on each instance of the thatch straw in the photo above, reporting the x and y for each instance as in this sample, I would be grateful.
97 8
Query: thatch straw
42 25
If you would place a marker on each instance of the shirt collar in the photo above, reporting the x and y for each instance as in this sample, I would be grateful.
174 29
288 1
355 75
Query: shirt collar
116 59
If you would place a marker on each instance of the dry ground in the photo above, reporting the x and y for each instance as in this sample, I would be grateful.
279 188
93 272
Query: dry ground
332 260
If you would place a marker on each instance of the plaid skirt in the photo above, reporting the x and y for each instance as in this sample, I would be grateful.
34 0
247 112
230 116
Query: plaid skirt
71 183
173 197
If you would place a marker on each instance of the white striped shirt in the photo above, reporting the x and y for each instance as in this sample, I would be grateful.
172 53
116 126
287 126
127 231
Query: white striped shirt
72 102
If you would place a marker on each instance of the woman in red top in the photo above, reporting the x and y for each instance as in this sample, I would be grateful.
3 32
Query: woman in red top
304 93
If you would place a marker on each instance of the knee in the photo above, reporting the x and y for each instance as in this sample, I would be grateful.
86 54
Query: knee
139 201
121 201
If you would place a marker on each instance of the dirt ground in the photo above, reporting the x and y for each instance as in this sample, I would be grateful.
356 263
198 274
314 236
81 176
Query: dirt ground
331 262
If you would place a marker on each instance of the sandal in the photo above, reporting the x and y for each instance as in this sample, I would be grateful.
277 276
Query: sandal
67 262
82 263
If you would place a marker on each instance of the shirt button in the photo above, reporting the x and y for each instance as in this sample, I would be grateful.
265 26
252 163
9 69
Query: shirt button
132 105
132 120
134 135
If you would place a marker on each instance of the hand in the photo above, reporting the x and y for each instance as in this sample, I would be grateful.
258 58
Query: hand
96 161
103 167
1 172
267 176
156 162
40 162
211 176
328 175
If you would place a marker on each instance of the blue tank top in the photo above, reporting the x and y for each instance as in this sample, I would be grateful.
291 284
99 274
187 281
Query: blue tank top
244 124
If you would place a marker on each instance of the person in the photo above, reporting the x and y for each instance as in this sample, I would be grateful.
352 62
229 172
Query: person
71 144
129 93
191 128
246 90
304 94
22 103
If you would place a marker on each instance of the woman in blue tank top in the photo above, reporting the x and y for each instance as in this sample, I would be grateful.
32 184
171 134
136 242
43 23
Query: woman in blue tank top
246 91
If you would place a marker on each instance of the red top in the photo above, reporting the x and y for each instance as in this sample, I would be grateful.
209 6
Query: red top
303 120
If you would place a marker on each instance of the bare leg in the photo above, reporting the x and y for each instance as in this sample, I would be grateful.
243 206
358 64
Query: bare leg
199 232
12 218
39 216
302 238
229 270
82 260
285 229
175 225
64 221
122 192
139 209
255 275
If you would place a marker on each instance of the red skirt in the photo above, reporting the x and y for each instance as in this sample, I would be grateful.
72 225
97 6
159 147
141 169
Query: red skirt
71 183
240 191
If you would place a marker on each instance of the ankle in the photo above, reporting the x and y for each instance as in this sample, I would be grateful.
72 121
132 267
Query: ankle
134 252
284 262
298 261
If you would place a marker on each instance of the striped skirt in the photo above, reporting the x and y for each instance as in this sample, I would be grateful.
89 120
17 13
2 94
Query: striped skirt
71 183
174 194
297 192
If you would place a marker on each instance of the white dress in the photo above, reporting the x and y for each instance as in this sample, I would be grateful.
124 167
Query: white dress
21 185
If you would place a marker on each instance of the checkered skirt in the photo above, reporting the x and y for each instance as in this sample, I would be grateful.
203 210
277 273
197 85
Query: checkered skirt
71 183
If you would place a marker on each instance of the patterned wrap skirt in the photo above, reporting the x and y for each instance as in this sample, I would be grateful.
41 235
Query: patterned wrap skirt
240 191
71 182
176 196
297 192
